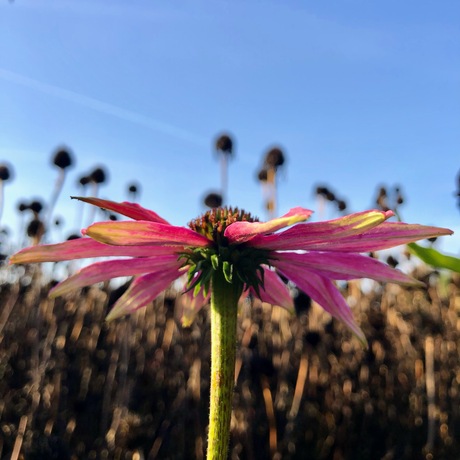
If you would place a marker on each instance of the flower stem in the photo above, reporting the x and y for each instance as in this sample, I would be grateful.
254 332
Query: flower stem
224 304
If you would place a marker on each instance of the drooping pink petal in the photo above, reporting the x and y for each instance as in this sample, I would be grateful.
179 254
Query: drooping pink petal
344 266
132 210
129 233
83 248
189 305
303 236
108 269
386 235
326 294
274 291
239 232
141 292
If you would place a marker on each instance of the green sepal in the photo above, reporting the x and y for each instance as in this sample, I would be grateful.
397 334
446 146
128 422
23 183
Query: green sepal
227 269
215 261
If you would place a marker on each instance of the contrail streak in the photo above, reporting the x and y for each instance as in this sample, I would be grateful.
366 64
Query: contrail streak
103 107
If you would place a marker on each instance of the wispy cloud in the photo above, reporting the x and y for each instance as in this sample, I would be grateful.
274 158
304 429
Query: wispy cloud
102 107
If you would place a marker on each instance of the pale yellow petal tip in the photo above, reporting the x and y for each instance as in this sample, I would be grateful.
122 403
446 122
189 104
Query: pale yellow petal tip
61 289
113 314
362 339
374 217
17 259
415 283
186 322
54 294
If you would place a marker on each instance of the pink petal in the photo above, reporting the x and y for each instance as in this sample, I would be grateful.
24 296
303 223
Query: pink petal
324 292
275 291
303 236
239 232
132 210
189 305
343 266
106 270
129 233
386 235
141 292
82 248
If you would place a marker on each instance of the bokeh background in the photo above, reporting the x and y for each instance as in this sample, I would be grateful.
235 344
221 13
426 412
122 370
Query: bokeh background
335 106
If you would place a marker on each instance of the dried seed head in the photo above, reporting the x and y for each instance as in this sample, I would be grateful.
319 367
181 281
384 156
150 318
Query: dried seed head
262 175
36 206
98 176
213 200
224 144
5 172
62 158
35 228
84 180
275 158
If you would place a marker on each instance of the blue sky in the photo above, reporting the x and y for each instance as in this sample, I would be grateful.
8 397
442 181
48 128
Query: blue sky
357 94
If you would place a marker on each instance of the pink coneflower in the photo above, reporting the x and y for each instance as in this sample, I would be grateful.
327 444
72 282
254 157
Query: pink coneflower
311 255
226 253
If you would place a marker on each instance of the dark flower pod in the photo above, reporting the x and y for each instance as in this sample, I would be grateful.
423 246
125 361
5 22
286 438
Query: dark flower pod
84 180
62 158
213 200
320 190
341 205
35 228
330 196
381 200
133 188
98 176
275 158
392 261
262 175
399 196
5 172
36 206
22 206
326 193
224 144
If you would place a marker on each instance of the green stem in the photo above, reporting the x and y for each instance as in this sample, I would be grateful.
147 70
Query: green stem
224 304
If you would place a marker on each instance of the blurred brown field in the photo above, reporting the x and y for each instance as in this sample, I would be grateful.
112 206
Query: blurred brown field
74 387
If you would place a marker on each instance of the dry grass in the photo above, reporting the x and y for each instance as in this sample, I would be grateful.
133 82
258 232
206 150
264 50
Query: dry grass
73 387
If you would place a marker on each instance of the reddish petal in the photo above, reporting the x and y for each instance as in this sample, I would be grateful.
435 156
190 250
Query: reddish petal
140 233
142 291
344 266
275 291
106 270
132 210
239 232
386 235
83 248
303 236
324 292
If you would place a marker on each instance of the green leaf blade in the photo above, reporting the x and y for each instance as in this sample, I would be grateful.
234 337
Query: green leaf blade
435 258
